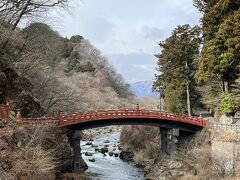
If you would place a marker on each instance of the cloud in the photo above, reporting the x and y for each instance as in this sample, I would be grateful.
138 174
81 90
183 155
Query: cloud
99 28
127 31
152 32
134 66
145 67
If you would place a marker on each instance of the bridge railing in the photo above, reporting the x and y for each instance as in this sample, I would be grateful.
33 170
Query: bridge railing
4 110
78 117
96 115
41 120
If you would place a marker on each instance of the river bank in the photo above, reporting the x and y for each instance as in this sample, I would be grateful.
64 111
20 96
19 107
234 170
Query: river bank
106 164
42 152
32 151
206 155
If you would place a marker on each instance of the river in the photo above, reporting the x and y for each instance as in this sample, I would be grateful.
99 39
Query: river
108 167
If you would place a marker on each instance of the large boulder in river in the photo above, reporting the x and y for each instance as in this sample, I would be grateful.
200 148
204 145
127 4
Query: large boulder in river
88 154
92 160
94 146
103 150
83 165
88 143
126 155
106 141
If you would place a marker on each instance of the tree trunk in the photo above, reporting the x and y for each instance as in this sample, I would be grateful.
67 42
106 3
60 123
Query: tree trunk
225 86
188 93
15 24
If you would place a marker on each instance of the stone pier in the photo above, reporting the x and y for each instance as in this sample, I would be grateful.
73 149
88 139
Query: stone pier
78 164
169 140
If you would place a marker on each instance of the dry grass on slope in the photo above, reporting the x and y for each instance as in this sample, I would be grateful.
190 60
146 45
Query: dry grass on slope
144 140
31 152
214 155
226 136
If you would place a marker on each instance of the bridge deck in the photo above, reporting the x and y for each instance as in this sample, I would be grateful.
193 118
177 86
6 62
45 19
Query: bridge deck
121 114
118 116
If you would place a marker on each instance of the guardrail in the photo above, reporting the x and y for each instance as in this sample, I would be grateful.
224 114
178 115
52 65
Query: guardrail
235 119
223 127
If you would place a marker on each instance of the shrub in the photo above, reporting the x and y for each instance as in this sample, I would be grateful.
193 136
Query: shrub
12 115
2 125
229 103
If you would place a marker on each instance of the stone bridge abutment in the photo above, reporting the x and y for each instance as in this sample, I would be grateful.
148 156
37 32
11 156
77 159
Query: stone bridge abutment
78 164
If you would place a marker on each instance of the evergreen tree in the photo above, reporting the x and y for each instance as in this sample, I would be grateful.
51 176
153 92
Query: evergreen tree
220 56
178 50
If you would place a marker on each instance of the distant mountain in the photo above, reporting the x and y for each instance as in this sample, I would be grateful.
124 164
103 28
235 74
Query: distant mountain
143 88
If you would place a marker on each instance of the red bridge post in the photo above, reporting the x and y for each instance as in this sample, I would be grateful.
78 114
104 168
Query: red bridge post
54 117
207 124
4 110
138 109
125 110
201 119
18 116
60 118
7 110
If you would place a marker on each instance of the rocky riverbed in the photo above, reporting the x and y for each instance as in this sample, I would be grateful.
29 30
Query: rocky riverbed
102 156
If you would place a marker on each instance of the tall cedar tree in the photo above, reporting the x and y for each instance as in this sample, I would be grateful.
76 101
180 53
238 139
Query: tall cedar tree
220 56
180 48
219 65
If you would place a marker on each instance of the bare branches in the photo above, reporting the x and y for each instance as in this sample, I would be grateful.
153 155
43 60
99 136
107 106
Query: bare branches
13 12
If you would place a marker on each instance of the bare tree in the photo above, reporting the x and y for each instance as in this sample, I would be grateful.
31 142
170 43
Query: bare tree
41 47
104 70
13 12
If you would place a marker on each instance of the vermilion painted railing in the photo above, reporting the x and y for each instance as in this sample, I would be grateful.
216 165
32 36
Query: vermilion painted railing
81 117
4 110
118 114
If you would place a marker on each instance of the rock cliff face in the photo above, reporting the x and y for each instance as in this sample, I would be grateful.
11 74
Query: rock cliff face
32 152
17 89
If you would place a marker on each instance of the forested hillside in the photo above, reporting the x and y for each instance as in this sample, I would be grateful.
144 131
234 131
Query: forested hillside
204 60
43 72
69 74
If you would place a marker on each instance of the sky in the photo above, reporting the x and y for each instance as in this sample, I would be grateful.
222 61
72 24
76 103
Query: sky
127 31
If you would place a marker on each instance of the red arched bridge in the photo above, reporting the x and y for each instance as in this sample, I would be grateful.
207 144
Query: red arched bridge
173 127
90 119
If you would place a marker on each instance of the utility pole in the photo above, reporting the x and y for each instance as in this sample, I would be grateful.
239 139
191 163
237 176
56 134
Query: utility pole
160 98
160 101
188 95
